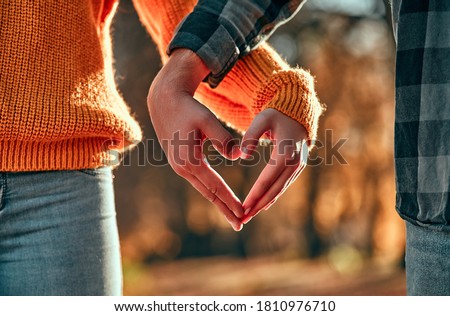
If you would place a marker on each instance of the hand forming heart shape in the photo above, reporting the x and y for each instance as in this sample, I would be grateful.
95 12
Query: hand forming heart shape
182 124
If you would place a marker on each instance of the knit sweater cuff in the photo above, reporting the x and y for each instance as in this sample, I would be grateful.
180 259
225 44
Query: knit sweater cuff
292 93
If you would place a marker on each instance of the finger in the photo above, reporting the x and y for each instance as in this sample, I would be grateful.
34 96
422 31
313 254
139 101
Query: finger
273 192
220 138
258 127
287 155
217 187
302 151
268 176
289 182
189 159
271 196
231 218
287 185
293 169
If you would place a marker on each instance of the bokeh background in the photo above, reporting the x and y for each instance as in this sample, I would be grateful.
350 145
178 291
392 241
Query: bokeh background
334 232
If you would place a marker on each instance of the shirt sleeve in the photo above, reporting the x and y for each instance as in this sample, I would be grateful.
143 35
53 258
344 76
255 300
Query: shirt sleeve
222 31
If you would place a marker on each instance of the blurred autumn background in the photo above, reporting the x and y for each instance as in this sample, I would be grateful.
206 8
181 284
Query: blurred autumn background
335 230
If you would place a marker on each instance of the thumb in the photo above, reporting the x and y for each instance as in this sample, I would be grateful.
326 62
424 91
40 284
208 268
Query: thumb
221 139
257 128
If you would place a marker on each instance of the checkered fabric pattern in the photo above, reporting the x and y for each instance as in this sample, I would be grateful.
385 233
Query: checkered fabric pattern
422 122
221 31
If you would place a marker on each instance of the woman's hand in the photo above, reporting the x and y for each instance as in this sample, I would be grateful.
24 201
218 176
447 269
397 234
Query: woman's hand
289 157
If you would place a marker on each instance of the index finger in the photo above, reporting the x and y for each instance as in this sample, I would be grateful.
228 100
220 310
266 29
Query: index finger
268 176
216 186
231 218
285 160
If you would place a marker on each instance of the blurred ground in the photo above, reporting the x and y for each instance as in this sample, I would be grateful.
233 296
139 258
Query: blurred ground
261 276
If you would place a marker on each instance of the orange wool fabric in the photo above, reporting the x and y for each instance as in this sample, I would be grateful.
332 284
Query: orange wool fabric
60 108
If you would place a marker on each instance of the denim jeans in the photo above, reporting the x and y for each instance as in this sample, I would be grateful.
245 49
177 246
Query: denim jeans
427 261
58 233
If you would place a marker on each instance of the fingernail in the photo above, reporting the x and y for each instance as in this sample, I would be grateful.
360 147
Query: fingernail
248 219
236 152
238 228
247 210
238 211
244 153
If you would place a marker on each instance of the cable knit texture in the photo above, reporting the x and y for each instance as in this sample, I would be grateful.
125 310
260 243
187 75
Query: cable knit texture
59 106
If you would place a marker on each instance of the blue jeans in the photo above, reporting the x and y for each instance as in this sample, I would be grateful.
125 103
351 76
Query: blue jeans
427 261
58 233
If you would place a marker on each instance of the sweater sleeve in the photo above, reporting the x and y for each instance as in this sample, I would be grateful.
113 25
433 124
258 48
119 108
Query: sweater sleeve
259 80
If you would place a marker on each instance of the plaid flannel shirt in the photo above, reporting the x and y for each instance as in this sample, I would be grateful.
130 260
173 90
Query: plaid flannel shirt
221 31
422 115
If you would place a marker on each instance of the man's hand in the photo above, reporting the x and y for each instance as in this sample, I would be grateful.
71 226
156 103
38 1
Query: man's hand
182 124
288 158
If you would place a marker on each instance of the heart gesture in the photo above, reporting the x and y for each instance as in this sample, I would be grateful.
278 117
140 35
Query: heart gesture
182 124
288 158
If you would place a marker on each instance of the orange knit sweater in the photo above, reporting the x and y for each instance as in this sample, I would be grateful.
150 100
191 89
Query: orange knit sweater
59 106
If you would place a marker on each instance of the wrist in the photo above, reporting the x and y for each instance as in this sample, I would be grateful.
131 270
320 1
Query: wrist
186 69
292 93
